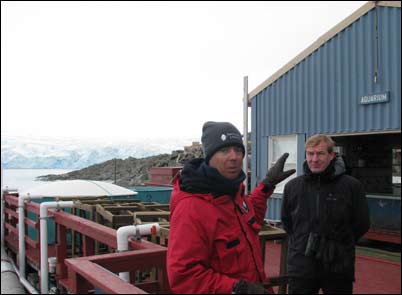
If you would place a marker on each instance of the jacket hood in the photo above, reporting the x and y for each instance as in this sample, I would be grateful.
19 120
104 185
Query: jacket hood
340 167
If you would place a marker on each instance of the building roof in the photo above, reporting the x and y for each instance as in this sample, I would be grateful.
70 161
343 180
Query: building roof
320 41
77 188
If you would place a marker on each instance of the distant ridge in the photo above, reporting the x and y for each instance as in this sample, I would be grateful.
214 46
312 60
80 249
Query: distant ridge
131 171
19 152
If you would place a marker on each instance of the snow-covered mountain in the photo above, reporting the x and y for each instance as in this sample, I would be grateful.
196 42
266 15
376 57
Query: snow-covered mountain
56 153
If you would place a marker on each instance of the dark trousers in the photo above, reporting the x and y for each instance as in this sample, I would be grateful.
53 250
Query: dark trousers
312 286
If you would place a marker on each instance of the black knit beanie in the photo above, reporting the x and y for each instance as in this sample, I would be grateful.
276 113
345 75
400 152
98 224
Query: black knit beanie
217 135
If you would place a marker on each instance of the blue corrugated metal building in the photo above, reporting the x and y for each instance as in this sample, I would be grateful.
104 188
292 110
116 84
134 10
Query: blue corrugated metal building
348 85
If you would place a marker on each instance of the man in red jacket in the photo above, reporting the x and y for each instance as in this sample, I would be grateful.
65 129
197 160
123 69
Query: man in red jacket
213 240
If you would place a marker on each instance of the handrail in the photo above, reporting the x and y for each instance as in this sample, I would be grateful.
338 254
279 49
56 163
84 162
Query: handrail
98 270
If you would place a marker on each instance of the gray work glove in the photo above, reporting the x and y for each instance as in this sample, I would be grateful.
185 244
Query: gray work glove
244 287
276 174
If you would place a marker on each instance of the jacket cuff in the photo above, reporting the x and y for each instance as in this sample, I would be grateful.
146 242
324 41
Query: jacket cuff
266 188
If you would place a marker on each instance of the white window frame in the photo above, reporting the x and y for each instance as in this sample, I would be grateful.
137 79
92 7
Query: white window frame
291 162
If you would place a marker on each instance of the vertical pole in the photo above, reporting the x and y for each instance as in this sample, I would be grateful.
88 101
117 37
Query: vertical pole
245 131
115 168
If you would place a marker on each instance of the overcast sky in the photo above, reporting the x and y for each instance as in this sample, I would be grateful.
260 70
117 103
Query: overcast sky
145 69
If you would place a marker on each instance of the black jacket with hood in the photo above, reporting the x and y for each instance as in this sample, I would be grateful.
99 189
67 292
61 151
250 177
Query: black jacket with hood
341 219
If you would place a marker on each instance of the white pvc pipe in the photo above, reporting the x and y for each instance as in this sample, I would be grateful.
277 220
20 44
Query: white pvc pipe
27 285
44 273
21 233
124 232
23 281
10 283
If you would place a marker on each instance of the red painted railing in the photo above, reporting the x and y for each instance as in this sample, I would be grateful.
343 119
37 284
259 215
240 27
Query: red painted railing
89 272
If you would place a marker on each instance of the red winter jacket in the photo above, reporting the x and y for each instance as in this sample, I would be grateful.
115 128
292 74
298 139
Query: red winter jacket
213 242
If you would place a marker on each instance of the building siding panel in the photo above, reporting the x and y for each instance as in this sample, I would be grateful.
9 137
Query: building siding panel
321 93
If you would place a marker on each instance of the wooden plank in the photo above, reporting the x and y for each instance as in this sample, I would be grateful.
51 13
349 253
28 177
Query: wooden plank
61 251
283 267
163 280
119 208
100 278
11 199
164 207
88 228
11 228
31 223
378 235
150 287
32 243
125 261
153 213
269 233
11 212
105 214
77 283
88 246
32 207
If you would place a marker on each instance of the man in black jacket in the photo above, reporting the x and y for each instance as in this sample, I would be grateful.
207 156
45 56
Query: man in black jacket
324 212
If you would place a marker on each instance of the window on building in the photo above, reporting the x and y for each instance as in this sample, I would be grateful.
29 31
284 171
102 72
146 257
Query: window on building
278 145
375 160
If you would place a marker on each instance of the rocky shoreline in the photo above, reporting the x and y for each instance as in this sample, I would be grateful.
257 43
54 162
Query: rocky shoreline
130 171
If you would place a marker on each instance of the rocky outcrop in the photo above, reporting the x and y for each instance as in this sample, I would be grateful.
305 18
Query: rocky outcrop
130 171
